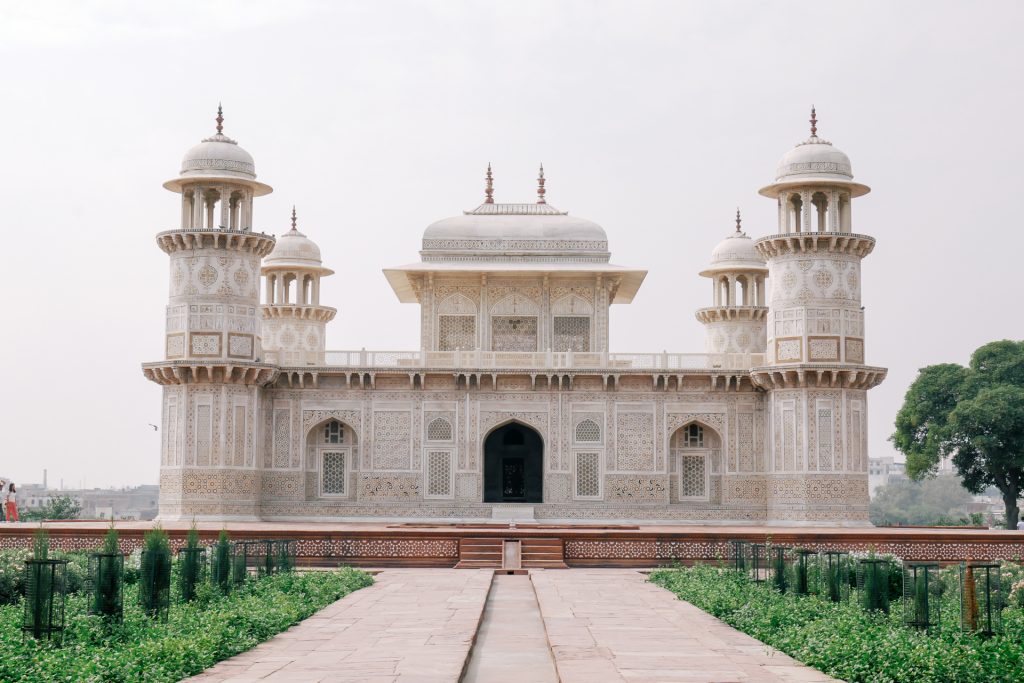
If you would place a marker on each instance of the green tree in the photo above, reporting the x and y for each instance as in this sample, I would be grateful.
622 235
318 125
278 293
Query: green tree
61 507
919 502
974 414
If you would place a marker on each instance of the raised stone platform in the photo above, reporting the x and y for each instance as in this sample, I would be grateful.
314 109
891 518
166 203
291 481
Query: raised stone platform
540 545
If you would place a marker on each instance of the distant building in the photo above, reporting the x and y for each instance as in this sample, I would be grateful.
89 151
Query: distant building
138 502
883 470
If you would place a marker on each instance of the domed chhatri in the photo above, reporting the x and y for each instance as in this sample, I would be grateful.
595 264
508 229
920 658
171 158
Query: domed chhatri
503 230
218 157
295 250
815 160
735 252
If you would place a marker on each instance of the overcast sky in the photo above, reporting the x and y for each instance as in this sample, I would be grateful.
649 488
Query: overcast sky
654 119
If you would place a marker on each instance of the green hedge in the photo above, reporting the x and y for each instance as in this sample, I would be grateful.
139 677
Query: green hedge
196 636
846 642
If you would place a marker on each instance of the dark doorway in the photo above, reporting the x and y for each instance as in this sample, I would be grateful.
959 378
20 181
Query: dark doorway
513 465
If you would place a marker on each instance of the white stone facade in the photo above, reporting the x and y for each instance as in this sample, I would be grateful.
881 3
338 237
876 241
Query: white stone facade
513 397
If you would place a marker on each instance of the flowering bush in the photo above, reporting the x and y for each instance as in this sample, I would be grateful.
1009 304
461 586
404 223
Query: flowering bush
12 572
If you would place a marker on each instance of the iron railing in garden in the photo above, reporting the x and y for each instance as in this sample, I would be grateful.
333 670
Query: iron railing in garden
191 571
45 583
758 561
873 583
981 598
922 596
805 569
834 576
155 582
739 555
105 585
780 581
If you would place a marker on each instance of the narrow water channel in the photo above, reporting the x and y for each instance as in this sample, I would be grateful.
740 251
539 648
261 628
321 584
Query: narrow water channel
511 645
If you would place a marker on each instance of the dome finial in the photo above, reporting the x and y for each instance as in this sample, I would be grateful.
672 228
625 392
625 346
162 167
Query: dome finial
489 190
739 229
294 220
814 123
220 119
540 187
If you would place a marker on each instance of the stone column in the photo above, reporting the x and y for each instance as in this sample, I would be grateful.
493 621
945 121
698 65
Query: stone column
197 208
225 201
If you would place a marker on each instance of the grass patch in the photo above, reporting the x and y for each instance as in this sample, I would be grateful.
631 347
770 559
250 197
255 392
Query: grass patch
848 643
196 635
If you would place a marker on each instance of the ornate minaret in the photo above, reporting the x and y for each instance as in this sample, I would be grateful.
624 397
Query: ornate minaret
212 369
736 321
815 374
294 322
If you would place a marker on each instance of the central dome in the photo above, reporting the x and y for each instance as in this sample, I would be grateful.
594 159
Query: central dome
515 230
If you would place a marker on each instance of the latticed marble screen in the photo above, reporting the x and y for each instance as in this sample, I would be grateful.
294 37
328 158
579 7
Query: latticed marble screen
439 474
456 332
693 476
333 473
513 333
588 431
824 438
571 333
439 429
693 436
588 475
334 432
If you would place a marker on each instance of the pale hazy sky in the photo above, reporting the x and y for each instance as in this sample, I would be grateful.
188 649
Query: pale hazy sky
654 119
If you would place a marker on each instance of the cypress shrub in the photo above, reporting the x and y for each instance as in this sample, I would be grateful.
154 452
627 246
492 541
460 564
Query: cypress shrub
155 574
191 560
106 579
222 562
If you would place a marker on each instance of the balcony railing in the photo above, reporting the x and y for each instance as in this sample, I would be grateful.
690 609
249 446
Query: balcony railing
414 360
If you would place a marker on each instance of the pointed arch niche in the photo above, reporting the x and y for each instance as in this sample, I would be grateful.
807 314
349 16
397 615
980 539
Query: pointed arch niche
513 455
332 454
696 452
572 319
456 324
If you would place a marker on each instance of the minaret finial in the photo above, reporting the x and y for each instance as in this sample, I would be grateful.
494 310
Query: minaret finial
220 119
489 191
540 187
294 219
814 123
738 221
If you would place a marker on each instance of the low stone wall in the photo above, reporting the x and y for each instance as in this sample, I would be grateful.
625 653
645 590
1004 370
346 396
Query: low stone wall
427 545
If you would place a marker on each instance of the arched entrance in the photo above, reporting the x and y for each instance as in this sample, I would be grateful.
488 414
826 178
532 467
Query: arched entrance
513 465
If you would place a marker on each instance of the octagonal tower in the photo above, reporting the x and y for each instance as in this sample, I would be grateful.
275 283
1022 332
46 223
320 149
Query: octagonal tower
213 366
815 372
294 322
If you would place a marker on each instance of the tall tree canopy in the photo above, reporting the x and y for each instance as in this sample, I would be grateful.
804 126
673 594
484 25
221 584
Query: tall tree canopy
974 414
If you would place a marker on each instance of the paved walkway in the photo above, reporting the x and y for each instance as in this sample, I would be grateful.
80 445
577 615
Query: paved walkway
598 626
511 646
611 625
411 626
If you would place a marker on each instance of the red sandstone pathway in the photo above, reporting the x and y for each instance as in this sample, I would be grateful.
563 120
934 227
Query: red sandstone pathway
611 625
411 626
601 626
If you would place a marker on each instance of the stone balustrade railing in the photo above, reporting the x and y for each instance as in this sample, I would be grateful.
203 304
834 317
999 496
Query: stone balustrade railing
511 359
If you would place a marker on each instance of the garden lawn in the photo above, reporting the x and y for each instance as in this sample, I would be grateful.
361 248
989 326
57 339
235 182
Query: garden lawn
844 641
196 635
